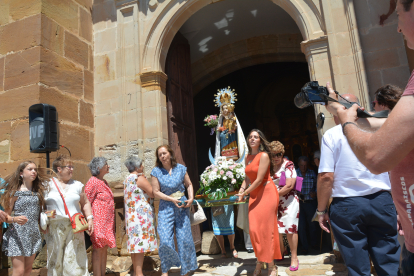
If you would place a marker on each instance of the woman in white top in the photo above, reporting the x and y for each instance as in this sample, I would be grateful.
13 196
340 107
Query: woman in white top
66 253
288 210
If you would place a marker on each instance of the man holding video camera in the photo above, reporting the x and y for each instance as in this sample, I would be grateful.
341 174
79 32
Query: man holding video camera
391 148
362 213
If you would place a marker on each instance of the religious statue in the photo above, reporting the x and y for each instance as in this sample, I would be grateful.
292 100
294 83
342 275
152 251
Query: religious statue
230 141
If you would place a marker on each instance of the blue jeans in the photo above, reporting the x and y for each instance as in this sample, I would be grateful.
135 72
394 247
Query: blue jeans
306 211
366 226
407 263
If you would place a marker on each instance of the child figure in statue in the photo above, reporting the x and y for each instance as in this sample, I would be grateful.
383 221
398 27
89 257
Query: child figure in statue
228 132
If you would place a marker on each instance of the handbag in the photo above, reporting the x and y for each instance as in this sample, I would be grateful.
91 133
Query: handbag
78 221
197 217
298 183
217 211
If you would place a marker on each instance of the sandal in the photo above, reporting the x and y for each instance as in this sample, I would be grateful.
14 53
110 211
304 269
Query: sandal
224 255
256 271
272 268
235 255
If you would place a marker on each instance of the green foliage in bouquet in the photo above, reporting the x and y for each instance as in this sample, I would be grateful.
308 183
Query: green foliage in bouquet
220 178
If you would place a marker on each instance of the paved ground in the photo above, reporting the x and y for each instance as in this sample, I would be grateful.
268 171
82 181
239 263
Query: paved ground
214 265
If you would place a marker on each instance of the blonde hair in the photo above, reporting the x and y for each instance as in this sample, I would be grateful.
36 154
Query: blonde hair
277 147
61 161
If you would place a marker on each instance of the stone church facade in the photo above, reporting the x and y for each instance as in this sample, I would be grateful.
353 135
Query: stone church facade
102 64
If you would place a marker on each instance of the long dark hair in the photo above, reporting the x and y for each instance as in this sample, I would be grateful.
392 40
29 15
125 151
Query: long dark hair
158 162
14 182
264 147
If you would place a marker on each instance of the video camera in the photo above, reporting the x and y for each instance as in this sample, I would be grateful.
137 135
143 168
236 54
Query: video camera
311 93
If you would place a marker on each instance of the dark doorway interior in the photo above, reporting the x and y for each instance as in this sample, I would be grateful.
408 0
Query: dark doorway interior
265 101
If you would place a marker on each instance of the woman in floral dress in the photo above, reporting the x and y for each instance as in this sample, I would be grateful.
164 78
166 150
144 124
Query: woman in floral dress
288 210
139 214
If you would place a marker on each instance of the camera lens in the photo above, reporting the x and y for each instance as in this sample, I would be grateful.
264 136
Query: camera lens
301 100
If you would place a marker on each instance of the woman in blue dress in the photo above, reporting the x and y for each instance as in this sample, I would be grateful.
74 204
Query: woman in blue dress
169 181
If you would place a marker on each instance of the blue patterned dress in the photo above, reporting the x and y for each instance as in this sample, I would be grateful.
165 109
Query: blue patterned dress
169 218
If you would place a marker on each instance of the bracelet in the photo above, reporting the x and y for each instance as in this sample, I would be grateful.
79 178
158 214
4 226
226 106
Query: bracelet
347 123
89 217
242 188
320 213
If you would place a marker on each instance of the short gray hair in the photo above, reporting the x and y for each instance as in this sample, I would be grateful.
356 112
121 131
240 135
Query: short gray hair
96 165
132 163
303 158
317 154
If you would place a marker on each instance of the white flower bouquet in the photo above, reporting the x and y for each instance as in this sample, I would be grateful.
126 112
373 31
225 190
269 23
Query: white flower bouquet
222 177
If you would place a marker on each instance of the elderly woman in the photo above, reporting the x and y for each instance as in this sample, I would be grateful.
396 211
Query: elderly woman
169 181
288 210
66 253
103 208
139 214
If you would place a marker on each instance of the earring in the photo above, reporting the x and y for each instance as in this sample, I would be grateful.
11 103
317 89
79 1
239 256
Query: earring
261 147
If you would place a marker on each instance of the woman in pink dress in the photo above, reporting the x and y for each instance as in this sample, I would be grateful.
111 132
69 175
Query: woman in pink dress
103 209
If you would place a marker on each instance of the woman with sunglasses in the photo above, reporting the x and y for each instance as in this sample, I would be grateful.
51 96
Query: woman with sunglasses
288 210
263 202
66 253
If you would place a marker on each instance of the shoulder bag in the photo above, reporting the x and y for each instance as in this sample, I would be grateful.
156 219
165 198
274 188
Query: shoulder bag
199 216
78 221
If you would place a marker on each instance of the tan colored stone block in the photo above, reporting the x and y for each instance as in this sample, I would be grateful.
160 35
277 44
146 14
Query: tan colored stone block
20 145
105 41
2 73
85 28
15 103
106 129
4 12
66 105
81 172
22 68
88 93
150 123
103 107
20 35
77 139
8 168
103 12
76 50
19 9
52 36
5 131
86 114
57 71
64 12
149 98
90 54
87 4
104 68
107 90
381 59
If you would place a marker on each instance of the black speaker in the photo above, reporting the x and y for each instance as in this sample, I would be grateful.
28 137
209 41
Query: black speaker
44 129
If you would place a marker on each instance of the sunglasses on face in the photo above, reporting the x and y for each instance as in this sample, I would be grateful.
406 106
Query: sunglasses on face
373 103
69 167
277 154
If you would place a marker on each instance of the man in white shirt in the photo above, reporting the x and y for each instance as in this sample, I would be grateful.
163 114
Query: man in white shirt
362 213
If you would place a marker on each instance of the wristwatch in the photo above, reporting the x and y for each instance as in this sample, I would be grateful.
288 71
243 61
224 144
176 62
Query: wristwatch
322 212
89 217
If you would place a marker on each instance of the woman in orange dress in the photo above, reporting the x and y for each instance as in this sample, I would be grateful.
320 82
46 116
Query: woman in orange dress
263 202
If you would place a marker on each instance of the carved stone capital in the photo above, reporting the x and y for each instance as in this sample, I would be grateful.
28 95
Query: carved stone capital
314 46
154 80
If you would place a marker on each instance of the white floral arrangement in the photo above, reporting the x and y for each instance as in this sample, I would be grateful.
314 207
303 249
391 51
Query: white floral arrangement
222 177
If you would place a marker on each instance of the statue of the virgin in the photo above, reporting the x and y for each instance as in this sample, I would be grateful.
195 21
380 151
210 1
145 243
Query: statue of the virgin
230 141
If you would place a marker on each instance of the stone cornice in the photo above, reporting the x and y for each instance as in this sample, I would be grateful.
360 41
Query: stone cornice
154 80
314 45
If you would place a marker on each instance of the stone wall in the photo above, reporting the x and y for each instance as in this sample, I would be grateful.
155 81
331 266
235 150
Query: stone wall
384 51
46 49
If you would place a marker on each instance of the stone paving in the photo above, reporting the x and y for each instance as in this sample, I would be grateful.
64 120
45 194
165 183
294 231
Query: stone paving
214 265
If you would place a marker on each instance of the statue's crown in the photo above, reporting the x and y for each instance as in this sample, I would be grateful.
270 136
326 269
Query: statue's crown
225 96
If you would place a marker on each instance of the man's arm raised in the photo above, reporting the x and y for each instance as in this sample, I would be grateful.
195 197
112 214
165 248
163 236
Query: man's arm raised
383 150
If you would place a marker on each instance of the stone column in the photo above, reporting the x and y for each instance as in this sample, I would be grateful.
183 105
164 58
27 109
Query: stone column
154 106
46 57
317 55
